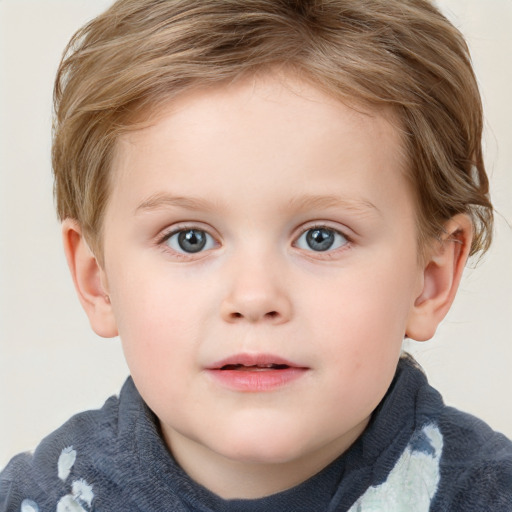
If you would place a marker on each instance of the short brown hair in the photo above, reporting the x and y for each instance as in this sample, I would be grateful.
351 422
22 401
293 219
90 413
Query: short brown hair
403 54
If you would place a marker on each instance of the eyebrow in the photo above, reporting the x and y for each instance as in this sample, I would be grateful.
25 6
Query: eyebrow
300 203
357 205
159 201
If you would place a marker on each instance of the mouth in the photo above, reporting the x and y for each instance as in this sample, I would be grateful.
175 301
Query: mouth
255 372
254 368
254 362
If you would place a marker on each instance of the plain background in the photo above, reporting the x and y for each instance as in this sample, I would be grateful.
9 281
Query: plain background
52 365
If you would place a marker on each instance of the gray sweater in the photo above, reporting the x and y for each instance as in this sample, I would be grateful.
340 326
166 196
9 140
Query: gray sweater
415 455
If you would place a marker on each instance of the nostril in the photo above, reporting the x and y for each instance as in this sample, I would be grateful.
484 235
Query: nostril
270 315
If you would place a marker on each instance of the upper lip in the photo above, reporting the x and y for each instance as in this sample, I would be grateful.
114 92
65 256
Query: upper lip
262 360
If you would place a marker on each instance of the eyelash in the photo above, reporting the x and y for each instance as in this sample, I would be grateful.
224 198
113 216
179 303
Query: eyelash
329 253
167 235
162 241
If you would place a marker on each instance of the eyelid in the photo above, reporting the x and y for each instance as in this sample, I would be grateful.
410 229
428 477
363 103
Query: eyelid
176 227
342 230
167 233
328 226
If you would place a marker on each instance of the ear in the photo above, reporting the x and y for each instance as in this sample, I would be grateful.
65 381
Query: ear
442 273
89 279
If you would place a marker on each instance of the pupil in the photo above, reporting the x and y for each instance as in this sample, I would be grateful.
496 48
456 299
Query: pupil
320 239
192 240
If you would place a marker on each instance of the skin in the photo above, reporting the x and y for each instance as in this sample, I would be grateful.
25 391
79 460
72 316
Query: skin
255 165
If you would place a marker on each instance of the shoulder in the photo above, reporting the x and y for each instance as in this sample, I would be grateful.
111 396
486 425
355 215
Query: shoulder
61 464
476 466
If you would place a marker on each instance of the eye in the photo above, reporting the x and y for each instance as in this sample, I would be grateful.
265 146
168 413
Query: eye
190 241
321 239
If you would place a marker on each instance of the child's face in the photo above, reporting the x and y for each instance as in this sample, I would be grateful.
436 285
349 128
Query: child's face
261 223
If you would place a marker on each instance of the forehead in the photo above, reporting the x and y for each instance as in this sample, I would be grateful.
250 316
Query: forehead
237 132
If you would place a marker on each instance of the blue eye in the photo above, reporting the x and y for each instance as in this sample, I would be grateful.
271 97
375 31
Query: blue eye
190 241
321 239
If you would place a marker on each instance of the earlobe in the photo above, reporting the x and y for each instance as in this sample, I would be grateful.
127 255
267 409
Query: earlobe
89 279
442 273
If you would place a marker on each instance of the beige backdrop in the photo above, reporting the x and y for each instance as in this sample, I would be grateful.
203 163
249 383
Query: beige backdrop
52 365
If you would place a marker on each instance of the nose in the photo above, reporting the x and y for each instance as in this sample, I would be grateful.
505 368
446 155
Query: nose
257 292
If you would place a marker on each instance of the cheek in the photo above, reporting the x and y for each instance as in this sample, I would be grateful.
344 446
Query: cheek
363 312
163 316
152 315
358 328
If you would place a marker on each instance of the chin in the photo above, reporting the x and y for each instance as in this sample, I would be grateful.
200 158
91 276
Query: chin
264 448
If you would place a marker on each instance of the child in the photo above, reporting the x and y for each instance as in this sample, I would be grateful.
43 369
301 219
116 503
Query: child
263 198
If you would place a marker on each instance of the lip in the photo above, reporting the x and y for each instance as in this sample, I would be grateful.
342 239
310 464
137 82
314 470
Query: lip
255 372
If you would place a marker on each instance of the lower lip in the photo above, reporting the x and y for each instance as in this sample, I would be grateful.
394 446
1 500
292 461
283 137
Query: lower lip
254 381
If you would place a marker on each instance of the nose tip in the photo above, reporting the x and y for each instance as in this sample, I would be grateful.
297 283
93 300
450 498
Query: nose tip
255 301
256 286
